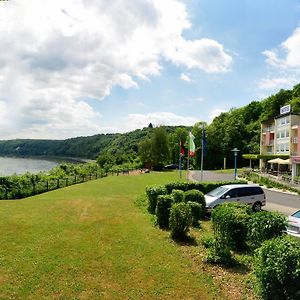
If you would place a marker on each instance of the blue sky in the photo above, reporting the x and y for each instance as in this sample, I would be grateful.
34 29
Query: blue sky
72 68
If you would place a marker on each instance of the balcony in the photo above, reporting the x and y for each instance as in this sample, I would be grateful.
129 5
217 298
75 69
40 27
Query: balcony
268 129
294 140
271 143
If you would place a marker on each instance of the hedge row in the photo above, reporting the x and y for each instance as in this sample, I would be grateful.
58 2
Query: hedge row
154 191
276 255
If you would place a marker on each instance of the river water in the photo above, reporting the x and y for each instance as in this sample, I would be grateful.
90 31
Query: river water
11 165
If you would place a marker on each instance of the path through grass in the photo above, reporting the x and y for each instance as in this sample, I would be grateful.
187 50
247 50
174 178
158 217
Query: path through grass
90 241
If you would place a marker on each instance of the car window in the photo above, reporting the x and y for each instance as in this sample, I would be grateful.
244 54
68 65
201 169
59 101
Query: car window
234 193
217 192
296 214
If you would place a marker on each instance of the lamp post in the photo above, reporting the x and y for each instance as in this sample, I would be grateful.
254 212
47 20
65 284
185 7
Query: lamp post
235 153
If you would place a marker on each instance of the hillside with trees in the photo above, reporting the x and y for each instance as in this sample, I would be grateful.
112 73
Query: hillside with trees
155 147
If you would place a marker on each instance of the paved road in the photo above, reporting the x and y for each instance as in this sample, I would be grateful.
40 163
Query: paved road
285 203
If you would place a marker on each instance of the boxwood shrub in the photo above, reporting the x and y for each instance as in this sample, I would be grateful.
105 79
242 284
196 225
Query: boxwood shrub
178 196
152 193
180 220
162 212
265 225
277 269
197 213
229 222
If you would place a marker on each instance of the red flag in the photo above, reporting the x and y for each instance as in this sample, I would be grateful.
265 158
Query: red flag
182 152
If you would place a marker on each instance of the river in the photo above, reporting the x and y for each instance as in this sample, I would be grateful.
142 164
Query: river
12 165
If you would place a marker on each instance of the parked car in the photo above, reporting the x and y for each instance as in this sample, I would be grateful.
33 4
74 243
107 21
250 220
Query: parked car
293 227
251 194
171 167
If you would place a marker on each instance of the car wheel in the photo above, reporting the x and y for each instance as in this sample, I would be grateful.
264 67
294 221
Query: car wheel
256 206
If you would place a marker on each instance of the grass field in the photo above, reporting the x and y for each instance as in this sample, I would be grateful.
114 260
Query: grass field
90 241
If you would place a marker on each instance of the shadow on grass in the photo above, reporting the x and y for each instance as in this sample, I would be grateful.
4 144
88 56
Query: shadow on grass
185 241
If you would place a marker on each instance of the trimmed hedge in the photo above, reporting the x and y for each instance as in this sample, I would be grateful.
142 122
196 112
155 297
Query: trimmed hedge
229 222
277 269
152 193
178 196
162 212
203 187
197 212
265 225
180 220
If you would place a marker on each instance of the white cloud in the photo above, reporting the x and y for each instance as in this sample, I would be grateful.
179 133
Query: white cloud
54 52
185 77
285 63
134 121
215 113
277 83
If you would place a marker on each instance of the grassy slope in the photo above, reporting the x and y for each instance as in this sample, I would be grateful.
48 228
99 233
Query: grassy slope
89 241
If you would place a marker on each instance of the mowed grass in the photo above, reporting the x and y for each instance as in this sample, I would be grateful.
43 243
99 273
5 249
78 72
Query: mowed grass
90 241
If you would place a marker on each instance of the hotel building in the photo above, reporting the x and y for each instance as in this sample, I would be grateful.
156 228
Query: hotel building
281 136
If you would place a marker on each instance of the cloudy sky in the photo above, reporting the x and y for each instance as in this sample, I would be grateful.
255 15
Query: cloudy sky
80 67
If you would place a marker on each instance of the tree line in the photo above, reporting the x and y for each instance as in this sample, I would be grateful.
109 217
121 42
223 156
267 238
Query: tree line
155 147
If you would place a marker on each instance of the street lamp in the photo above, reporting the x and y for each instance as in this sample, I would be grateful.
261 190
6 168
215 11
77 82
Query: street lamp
235 153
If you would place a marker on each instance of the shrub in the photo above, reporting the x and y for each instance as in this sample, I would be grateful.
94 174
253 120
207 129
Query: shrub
164 203
178 196
219 254
195 196
230 224
152 193
197 212
265 225
277 269
180 220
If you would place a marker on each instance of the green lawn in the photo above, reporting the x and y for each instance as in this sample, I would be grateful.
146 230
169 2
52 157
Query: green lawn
90 241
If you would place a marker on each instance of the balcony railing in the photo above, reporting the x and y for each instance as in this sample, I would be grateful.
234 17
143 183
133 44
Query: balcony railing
271 143
268 129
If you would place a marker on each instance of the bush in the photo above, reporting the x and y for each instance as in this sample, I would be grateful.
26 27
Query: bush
277 269
180 220
164 203
265 225
230 224
178 196
197 213
195 196
152 193
219 254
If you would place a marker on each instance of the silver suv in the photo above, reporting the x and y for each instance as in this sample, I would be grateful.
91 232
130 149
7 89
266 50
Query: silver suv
251 194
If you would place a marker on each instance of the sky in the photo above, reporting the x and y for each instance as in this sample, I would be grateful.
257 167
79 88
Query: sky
82 67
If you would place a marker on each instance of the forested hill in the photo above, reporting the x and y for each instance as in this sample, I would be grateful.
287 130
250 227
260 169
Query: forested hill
81 147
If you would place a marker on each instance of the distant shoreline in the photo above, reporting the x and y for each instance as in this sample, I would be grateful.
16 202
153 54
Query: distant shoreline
52 158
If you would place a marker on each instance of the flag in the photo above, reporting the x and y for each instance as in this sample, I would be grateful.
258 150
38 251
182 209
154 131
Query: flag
192 147
204 142
182 150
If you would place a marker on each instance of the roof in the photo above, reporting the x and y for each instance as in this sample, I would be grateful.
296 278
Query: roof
240 185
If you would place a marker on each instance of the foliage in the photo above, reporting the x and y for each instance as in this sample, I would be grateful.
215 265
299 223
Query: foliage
20 186
154 152
162 212
265 225
180 220
178 196
198 197
219 254
230 225
277 269
152 193
197 212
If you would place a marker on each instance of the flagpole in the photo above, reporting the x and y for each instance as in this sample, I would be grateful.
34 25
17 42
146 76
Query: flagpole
202 152
180 173
188 161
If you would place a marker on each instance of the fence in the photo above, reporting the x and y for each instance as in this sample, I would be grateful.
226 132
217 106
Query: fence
22 189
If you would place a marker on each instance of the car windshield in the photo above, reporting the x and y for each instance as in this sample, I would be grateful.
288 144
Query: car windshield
217 192
296 214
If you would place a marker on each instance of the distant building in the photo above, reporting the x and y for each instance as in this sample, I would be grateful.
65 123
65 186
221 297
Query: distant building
281 136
